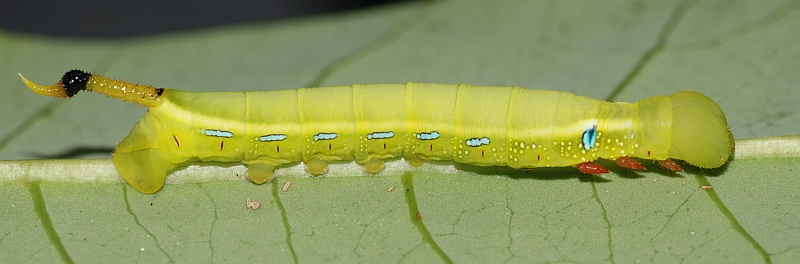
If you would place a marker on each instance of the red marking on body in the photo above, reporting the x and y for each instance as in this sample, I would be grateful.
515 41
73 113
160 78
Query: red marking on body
431 148
384 145
221 145
627 162
592 168
277 148
483 153
648 153
330 146
177 142
419 216
669 164
538 157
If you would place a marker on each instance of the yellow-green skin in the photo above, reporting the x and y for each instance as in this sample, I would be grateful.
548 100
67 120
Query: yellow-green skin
514 127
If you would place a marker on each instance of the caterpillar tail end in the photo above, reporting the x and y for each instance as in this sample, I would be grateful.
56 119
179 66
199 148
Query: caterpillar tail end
75 81
146 169
55 90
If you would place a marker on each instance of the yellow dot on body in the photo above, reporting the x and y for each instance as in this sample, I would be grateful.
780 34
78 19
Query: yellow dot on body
466 152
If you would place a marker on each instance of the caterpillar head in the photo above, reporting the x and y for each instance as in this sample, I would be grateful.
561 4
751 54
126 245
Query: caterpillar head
700 133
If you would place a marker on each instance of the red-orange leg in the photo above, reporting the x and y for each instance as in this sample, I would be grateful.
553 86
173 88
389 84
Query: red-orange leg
592 168
669 164
629 163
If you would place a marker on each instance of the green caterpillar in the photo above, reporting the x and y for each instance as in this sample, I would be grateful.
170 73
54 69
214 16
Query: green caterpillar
481 125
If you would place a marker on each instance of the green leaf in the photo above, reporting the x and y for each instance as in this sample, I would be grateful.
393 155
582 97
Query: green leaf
743 54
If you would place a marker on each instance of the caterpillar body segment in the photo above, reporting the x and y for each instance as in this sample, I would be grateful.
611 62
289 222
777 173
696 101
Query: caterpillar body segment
480 125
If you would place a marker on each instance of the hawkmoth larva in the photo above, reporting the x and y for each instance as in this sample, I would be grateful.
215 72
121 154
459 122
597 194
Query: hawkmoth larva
506 126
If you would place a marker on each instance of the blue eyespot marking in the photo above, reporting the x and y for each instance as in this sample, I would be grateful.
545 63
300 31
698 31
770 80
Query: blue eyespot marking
427 135
272 137
380 135
477 142
589 137
324 136
217 133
